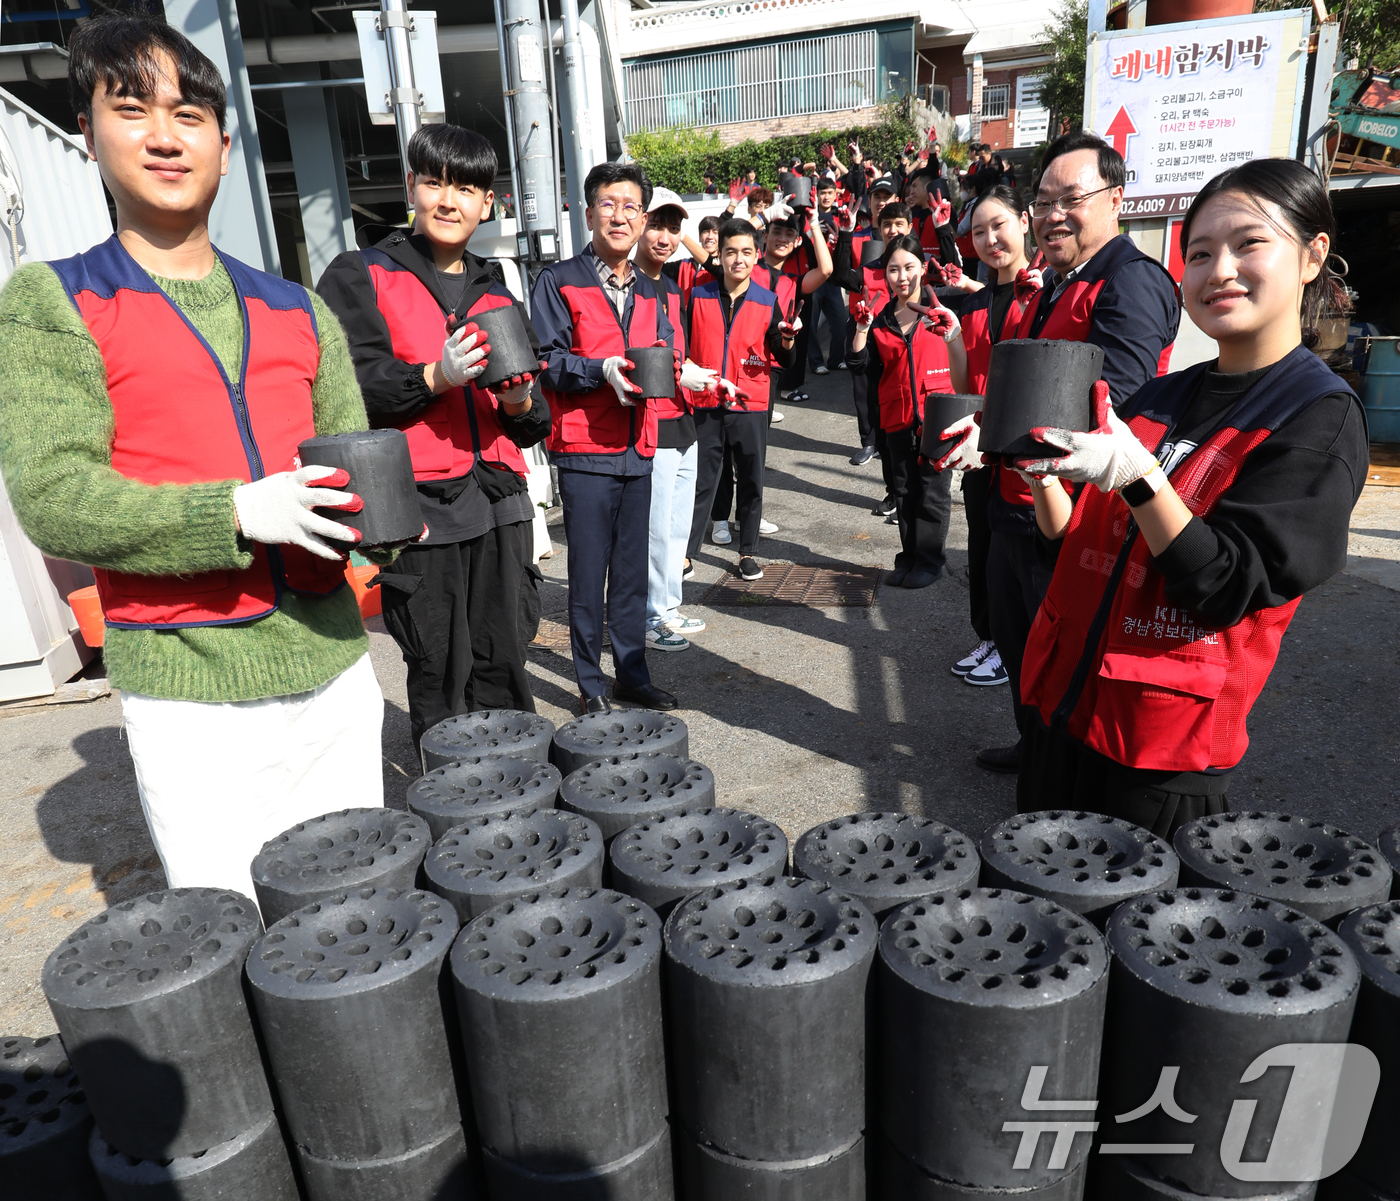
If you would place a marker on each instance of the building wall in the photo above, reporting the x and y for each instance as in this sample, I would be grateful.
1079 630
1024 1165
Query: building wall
1001 133
730 135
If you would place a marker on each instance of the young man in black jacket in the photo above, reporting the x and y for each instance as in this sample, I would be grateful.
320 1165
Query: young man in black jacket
452 602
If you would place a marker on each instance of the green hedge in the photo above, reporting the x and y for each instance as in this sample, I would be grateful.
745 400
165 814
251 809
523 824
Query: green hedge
678 158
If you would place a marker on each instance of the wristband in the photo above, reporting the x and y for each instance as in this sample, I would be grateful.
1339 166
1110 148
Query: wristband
1140 491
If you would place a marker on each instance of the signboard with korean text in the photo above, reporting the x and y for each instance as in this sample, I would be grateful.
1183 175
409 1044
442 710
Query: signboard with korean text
1184 102
1032 118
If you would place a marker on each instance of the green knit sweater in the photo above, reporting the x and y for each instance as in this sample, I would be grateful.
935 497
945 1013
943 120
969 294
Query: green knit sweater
56 430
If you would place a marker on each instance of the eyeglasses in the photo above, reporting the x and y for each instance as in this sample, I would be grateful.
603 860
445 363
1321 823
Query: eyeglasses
631 210
1066 204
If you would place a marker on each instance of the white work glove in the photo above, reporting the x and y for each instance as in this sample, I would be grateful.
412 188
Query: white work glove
729 394
1109 457
790 329
697 378
613 367
964 456
462 359
276 510
776 211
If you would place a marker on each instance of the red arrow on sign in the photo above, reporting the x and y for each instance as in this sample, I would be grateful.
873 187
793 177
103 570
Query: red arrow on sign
1120 129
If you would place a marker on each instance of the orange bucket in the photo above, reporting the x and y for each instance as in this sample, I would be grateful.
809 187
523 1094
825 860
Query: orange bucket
88 610
371 599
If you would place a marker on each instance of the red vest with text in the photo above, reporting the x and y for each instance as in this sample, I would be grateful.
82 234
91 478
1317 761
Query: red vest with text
444 437
874 291
739 353
927 233
682 403
1110 659
179 419
594 423
912 369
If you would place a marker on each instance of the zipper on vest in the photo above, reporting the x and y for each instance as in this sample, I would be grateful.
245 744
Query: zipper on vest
240 409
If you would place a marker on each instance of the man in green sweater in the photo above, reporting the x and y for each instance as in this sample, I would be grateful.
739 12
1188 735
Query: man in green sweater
153 396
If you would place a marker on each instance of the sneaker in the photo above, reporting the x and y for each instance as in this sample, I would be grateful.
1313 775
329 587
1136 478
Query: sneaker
974 657
766 527
821 369
896 578
681 624
862 456
721 535
989 672
841 366
885 508
775 418
922 577
1003 759
688 572
749 568
664 639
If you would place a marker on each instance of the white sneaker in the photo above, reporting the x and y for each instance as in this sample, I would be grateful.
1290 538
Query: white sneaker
681 624
721 535
990 671
766 527
663 639
777 417
974 657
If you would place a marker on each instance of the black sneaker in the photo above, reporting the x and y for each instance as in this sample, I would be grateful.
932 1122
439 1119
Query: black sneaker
749 569
885 508
862 456
689 572
896 578
1006 760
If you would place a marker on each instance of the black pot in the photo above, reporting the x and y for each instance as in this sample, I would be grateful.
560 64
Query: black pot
381 474
1035 382
653 371
941 409
511 352
798 191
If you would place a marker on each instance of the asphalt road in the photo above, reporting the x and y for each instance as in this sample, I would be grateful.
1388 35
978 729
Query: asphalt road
802 714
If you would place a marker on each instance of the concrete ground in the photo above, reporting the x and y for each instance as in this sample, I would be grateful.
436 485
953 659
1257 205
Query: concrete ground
802 714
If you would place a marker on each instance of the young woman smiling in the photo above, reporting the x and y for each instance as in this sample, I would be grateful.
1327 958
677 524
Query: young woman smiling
1221 494
908 351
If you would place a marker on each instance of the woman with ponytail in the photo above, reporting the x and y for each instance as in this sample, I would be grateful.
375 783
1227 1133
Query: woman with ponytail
1219 495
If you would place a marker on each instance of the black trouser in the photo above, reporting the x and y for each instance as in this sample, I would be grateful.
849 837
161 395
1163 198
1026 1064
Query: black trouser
976 486
924 500
827 300
867 406
1016 584
793 377
454 611
747 436
607 523
724 493
1059 773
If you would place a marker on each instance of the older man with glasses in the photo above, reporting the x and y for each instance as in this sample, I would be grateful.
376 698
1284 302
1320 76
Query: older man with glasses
1097 287
587 311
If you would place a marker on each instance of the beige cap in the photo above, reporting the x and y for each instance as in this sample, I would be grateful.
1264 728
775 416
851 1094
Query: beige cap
665 198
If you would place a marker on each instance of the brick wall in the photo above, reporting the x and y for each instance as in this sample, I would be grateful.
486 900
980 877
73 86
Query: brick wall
777 127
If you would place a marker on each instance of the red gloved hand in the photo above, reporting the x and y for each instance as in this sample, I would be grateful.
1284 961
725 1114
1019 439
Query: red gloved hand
828 151
736 190
910 148
863 315
938 320
1027 284
942 211
676 354
951 274
923 156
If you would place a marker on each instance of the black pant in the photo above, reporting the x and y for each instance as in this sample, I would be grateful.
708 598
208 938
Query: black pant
975 488
793 377
867 406
1016 584
827 300
747 436
724 493
606 521
1060 773
454 611
924 500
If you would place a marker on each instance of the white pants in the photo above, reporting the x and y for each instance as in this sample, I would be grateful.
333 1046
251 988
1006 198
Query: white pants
219 779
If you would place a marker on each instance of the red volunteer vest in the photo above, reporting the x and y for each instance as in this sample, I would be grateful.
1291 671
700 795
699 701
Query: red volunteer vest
927 233
594 423
910 370
691 276
874 291
669 410
445 437
1110 659
740 352
977 338
207 428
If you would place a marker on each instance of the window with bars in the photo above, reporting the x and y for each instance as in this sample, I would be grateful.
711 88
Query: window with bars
754 83
994 99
